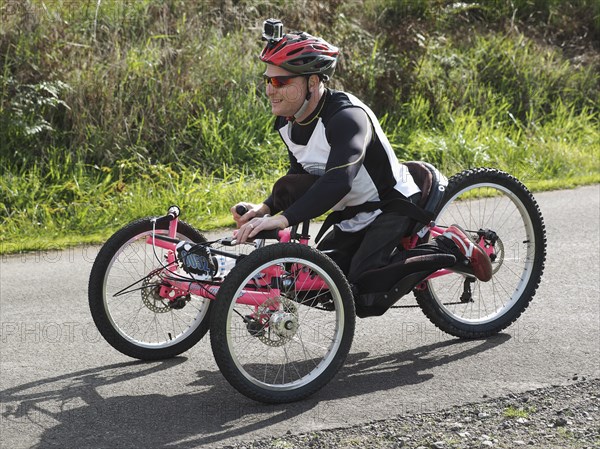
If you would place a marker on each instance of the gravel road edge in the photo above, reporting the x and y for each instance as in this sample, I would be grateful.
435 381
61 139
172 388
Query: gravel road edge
565 416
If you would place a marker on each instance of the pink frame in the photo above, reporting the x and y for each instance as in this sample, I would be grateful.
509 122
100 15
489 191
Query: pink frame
253 297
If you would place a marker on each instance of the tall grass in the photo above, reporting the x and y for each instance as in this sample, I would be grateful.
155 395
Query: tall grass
61 204
114 109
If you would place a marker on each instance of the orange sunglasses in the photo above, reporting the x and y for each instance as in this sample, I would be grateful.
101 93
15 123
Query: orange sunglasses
279 81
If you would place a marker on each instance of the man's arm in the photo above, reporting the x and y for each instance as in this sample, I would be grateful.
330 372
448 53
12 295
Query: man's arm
295 169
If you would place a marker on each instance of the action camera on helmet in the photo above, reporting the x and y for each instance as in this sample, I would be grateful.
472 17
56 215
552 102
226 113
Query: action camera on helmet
272 30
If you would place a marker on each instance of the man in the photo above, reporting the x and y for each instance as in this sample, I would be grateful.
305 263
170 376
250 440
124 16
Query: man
340 159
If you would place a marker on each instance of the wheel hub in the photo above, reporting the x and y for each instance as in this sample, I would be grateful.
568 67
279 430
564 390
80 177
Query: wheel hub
282 323
490 238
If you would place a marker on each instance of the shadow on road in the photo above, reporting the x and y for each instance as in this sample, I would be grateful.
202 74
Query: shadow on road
73 413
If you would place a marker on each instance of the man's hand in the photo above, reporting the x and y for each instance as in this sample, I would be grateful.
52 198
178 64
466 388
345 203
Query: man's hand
254 210
254 226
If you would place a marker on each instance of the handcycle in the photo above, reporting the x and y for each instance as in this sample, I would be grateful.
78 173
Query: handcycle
282 319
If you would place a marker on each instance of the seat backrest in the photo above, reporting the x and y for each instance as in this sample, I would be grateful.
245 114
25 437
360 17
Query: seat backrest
423 178
432 184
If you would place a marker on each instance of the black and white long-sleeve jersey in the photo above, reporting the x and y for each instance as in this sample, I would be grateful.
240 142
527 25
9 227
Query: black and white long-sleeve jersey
343 143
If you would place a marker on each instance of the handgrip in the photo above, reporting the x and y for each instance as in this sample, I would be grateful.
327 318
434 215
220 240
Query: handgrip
272 234
241 209
173 212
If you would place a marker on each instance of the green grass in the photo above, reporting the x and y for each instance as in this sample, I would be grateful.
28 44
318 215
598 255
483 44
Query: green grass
114 110
514 412
80 208
86 205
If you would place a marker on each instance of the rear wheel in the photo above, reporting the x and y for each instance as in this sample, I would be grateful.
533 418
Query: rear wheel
498 211
124 299
286 343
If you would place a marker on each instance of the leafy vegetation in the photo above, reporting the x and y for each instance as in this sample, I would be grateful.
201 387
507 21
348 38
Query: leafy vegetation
518 412
115 109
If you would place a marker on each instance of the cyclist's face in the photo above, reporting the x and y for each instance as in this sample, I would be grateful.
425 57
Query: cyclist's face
285 100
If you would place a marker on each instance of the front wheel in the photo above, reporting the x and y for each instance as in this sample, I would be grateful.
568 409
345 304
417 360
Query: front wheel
281 340
124 295
500 213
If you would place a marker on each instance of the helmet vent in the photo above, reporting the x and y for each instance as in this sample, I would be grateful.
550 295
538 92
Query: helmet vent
279 46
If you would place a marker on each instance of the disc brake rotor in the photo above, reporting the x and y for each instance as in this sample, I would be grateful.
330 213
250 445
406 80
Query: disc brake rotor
499 259
151 299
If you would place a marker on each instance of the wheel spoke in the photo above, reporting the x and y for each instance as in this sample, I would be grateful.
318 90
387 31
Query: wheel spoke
286 350
489 200
138 315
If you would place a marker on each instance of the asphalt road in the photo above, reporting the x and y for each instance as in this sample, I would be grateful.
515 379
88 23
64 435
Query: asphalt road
62 385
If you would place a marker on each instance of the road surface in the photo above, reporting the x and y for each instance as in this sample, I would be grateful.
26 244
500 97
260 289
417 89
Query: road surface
62 385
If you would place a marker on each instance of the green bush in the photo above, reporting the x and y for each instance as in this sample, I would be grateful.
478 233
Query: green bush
113 109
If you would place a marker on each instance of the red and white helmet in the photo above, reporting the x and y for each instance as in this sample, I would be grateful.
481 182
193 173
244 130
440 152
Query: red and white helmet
302 54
